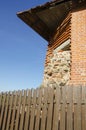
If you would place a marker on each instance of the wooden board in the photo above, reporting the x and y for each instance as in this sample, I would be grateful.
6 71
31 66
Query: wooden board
77 107
2 109
69 108
63 109
27 115
33 105
44 110
83 108
50 108
9 111
56 111
22 111
5 112
38 109
13 110
18 107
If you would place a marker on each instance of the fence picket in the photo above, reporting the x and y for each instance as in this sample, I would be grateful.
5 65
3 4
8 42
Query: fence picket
18 110
44 110
5 112
33 104
2 108
50 108
22 112
14 110
38 113
84 108
70 108
0 102
77 108
27 115
56 109
9 110
63 109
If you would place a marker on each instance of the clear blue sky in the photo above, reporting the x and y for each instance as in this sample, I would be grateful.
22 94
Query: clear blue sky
22 51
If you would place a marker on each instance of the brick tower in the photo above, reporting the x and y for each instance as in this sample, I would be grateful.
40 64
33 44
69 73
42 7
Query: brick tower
63 24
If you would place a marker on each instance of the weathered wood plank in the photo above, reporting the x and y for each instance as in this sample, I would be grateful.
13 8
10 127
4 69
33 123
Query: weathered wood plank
77 108
44 111
38 108
33 105
1 95
9 110
22 111
2 108
63 109
5 112
84 108
27 110
14 110
50 108
56 109
18 110
69 108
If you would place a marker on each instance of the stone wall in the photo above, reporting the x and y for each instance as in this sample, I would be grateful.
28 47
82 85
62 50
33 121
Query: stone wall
58 70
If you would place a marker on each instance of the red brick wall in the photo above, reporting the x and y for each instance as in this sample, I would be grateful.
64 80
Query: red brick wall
61 34
78 47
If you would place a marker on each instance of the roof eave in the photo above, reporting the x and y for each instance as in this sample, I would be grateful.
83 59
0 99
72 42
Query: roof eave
44 24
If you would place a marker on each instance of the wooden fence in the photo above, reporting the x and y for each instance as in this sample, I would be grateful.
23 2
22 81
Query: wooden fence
44 109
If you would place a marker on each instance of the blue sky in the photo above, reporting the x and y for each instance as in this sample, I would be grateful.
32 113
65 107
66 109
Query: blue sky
22 51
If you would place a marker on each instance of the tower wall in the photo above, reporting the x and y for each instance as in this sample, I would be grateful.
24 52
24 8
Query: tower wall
78 47
57 65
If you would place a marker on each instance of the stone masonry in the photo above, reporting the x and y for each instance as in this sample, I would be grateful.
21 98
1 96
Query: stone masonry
58 70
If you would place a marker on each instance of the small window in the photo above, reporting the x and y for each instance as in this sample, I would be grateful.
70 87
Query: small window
64 46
